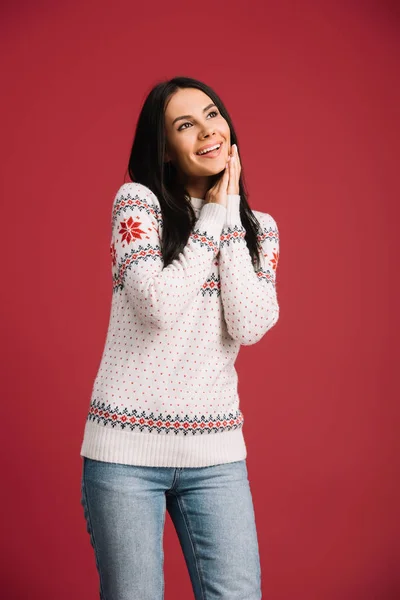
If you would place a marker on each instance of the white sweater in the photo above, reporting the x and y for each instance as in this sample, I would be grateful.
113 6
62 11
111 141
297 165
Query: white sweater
166 391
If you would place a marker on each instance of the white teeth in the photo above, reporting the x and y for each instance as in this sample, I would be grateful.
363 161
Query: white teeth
209 149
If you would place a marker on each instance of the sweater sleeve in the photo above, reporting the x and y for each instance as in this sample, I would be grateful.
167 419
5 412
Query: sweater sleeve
159 295
249 297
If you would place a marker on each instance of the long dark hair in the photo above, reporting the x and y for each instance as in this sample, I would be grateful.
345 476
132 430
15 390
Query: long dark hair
146 166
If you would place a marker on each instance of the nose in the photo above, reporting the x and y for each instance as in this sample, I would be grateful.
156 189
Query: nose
212 132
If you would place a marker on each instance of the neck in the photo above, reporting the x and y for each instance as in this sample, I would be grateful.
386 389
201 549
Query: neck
197 187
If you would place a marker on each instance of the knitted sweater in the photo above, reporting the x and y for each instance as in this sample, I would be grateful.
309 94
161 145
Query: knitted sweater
166 391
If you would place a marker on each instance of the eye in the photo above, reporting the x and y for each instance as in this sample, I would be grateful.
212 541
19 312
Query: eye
213 112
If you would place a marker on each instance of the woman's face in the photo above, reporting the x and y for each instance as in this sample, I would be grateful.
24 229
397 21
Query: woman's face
186 136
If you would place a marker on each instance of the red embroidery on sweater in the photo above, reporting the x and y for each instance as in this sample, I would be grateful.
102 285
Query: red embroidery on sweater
113 254
112 416
130 230
274 261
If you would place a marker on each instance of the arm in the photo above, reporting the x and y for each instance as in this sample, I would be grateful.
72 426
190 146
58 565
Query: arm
249 298
159 295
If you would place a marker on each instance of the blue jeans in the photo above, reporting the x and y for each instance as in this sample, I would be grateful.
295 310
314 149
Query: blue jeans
212 512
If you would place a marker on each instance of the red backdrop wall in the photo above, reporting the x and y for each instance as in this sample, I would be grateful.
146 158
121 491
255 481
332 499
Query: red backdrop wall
313 89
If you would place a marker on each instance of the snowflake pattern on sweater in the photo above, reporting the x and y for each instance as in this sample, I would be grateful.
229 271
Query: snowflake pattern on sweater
166 390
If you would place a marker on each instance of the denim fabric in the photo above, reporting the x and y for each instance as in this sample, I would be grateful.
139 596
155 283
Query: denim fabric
212 512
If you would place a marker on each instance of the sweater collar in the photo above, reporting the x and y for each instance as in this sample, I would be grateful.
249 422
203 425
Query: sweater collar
196 202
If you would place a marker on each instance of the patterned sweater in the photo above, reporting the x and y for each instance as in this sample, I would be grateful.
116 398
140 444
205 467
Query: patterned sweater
166 391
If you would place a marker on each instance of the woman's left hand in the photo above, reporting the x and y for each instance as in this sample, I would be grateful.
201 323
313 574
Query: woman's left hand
234 171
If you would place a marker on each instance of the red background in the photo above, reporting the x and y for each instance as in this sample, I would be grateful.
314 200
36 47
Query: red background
313 89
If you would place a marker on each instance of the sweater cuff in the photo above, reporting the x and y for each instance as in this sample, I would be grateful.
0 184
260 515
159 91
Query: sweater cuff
233 212
212 216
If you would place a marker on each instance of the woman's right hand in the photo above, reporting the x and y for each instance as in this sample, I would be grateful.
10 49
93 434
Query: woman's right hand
218 192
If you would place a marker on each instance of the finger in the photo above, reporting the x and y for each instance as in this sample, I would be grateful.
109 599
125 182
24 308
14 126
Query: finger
234 175
227 176
231 177
237 159
237 154
234 172
222 181
226 170
238 162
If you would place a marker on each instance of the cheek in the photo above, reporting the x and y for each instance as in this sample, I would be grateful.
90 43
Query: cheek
186 151
181 145
227 131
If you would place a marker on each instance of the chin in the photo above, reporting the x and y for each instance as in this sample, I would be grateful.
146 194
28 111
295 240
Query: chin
215 168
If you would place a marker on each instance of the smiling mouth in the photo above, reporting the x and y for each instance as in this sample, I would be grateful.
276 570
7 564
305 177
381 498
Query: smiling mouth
212 154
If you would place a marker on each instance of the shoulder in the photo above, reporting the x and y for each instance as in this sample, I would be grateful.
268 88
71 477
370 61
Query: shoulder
266 220
138 198
137 191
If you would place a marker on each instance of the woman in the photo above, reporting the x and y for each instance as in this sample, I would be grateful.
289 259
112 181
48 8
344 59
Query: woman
193 279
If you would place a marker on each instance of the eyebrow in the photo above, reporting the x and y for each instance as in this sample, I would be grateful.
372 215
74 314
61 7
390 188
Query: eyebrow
191 116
